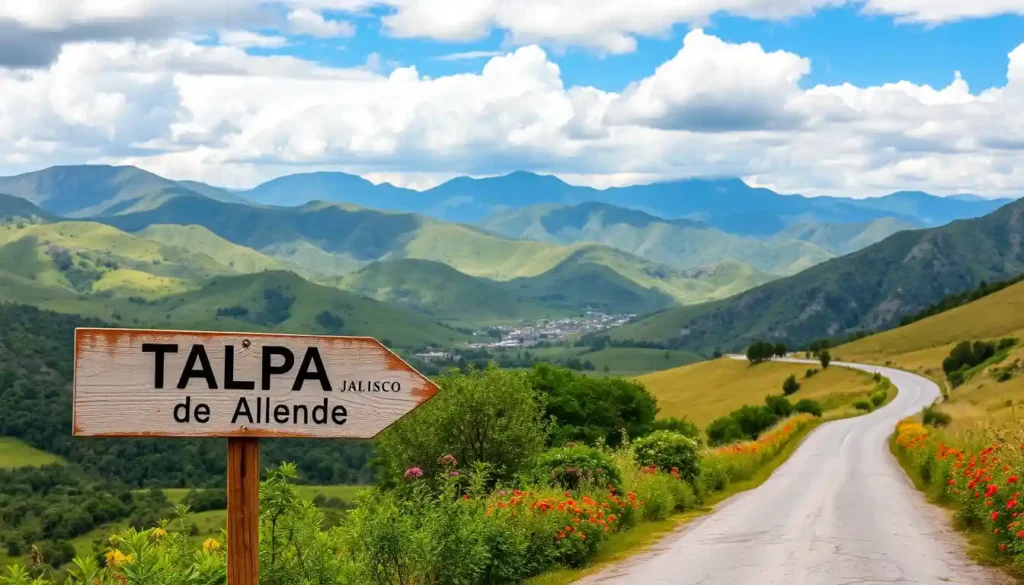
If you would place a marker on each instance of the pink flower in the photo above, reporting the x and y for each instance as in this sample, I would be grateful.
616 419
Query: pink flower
454 474
413 472
448 460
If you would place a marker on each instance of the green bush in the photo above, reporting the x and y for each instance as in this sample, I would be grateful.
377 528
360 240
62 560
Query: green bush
878 398
576 466
489 416
667 451
790 386
780 405
723 430
863 405
955 378
810 372
1004 376
812 407
936 418
683 426
714 475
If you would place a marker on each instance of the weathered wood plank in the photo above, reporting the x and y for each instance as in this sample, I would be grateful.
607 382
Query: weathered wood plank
121 390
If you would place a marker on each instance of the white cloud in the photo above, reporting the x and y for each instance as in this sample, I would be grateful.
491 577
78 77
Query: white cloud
939 11
307 22
716 108
246 39
468 56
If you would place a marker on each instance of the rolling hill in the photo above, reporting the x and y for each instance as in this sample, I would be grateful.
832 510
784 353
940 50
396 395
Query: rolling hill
15 209
843 238
682 243
867 290
333 240
441 292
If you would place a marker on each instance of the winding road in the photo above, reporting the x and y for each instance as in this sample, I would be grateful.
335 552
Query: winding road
840 511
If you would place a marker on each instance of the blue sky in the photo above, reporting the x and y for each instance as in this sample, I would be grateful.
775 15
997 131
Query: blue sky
844 45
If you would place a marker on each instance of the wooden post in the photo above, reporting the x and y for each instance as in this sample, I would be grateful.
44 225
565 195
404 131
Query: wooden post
243 511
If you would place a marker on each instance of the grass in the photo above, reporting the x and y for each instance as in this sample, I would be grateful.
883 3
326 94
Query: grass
632 361
707 390
14 453
647 534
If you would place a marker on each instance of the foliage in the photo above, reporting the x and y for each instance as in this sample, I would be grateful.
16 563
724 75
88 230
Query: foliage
863 405
590 409
779 405
936 418
825 358
577 466
790 386
955 300
878 398
485 416
808 406
747 422
966 356
810 372
683 426
670 451
740 461
760 351
978 474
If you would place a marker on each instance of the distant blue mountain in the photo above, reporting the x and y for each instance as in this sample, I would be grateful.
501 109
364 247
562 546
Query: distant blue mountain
727 204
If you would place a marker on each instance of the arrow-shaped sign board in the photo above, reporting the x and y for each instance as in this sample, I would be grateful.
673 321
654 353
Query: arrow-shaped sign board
143 383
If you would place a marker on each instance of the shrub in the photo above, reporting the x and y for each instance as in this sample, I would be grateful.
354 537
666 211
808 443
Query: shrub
779 405
790 386
877 377
1004 376
810 372
863 405
488 416
878 398
724 429
669 451
683 426
955 378
576 466
760 351
936 418
809 406
1006 343
825 358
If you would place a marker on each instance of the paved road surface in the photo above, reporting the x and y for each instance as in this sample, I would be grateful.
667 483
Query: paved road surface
840 511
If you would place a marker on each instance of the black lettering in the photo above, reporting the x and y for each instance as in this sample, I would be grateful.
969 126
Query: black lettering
305 414
338 414
242 409
229 372
281 414
202 413
268 369
185 407
396 386
158 369
322 410
198 353
312 357
376 385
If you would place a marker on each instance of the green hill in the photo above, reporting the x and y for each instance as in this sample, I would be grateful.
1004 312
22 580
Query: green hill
843 238
441 292
332 239
17 210
200 240
681 243
868 290
93 190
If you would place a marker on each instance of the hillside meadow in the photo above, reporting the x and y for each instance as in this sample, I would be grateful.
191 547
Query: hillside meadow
15 453
707 390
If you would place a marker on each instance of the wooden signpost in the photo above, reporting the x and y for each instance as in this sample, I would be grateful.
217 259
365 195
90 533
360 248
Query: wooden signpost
243 386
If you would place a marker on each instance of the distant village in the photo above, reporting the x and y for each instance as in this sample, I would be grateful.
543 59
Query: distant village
540 333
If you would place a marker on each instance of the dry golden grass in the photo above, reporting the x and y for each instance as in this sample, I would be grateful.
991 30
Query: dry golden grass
982 401
705 391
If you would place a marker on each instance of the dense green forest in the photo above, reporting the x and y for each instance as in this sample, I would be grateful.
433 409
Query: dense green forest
36 349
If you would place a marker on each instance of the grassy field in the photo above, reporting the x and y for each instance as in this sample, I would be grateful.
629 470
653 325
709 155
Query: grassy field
14 453
920 347
707 390
632 361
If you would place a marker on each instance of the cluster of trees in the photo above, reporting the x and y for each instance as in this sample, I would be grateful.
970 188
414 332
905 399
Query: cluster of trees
760 351
35 406
966 355
597 342
48 506
748 422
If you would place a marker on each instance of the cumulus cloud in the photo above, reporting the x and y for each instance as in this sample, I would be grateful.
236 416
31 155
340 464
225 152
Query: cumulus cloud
217 113
307 22
245 39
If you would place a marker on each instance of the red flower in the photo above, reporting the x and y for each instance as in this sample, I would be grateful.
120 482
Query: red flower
995 516
991 491
1011 479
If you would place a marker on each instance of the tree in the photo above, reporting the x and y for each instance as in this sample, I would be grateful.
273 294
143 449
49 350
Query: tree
790 386
760 351
825 358
489 416
780 350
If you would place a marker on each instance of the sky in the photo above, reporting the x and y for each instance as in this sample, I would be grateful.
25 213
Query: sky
839 97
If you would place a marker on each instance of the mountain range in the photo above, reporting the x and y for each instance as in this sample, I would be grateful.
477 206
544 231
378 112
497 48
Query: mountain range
529 246
867 290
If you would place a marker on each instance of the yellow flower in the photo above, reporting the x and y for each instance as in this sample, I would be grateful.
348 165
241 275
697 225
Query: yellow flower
159 533
116 557
211 544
